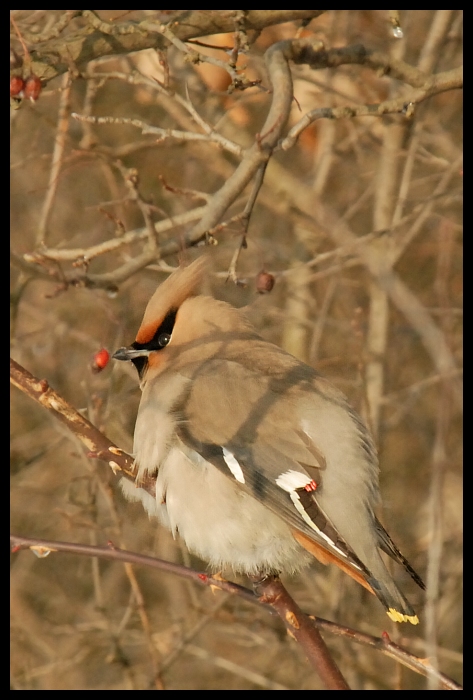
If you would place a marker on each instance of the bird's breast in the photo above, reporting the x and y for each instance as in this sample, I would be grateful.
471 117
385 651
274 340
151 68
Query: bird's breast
221 523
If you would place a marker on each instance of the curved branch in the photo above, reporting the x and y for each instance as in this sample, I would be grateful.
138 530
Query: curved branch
272 594
449 80
90 43
112 553
276 58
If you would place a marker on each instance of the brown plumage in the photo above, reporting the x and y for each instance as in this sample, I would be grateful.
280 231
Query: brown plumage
259 461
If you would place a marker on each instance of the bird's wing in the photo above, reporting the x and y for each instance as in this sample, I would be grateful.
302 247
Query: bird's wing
249 426
264 449
388 546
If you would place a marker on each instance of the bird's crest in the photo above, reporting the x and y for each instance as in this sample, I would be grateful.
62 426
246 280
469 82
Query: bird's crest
182 284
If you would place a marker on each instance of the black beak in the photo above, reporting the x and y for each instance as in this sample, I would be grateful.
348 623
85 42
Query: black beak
129 353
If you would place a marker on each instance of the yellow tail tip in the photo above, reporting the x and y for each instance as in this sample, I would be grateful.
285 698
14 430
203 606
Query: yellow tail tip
396 616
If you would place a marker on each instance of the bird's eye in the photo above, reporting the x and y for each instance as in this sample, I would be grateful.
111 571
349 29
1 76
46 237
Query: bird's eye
164 340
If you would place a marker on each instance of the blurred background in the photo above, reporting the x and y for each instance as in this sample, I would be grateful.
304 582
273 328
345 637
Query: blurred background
358 224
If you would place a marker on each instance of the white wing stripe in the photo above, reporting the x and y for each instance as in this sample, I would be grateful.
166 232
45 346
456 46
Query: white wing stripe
297 502
233 465
292 480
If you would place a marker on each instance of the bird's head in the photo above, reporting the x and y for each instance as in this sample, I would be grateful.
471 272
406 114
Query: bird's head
180 326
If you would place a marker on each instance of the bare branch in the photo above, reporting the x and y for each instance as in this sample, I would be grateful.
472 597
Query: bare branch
113 553
58 154
192 55
273 595
388 648
401 296
277 63
87 433
89 43
450 80
53 32
298 625
163 134
86 254
112 28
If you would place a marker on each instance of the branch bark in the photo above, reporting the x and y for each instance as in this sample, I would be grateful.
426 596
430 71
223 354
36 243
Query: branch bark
90 43
273 595
99 445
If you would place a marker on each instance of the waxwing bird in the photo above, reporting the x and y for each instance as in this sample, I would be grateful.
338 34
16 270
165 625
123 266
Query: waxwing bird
260 463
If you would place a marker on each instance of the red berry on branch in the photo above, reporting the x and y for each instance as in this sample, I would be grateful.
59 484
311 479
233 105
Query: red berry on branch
100 360
264 282
17 84
32 87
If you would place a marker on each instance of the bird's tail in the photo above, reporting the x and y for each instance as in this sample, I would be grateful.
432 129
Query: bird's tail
397 607
382 586
388 546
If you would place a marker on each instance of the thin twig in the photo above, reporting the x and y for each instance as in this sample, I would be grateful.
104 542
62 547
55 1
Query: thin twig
192 55
131 179
401 296
27 58
449 80
425 210
162 134
390 649
245 220
136 78
209 130
73 254
57 157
